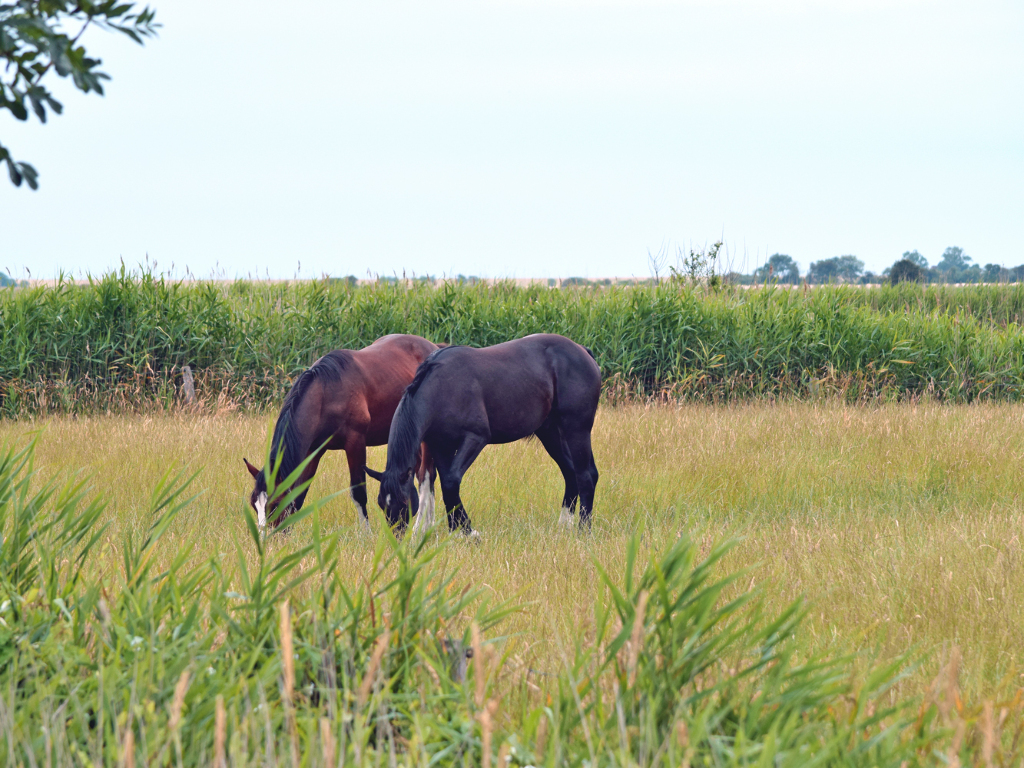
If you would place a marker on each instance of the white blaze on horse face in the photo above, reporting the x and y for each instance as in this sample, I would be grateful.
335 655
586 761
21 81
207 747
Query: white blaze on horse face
565 519
261 510
387 501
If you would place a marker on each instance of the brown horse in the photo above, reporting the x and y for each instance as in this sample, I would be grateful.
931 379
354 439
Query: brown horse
344 401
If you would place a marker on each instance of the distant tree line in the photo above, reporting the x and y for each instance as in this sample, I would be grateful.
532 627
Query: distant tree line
6 280
955 266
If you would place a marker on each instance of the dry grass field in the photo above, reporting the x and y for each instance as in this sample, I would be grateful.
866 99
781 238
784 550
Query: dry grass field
900 525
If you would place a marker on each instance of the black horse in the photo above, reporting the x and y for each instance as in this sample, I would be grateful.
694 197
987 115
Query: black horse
462 399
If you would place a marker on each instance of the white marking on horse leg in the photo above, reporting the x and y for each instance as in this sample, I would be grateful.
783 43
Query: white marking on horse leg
565 519
425 515
430 508
261 511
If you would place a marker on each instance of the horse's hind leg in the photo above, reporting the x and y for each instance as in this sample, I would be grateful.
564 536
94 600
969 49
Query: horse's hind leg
551 438
586 472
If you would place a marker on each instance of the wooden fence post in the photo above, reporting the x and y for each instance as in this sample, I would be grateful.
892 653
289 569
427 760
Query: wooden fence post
188 386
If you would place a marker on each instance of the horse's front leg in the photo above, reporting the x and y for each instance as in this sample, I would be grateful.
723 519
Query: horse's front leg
355 452
425 475
451 467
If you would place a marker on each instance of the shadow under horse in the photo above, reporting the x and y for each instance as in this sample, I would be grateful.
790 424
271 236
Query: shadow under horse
344 401
464 398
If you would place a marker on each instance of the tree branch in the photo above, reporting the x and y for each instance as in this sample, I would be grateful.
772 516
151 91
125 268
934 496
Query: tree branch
71 45
35 43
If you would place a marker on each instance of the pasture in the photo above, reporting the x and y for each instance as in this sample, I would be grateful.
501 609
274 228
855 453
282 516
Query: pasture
899 525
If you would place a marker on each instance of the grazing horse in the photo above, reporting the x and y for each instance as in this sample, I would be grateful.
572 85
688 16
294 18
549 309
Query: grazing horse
344 401
464 398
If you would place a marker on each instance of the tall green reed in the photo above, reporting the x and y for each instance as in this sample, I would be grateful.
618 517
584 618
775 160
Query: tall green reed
121 341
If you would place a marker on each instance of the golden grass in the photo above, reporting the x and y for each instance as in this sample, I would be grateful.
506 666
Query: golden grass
900 524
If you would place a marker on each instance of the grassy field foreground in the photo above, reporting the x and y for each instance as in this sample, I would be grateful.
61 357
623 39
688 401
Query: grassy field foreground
899 524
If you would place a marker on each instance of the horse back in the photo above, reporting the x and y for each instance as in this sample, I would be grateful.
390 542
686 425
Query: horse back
385 369
512 389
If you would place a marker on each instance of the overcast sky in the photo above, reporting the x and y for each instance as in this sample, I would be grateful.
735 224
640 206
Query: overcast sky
531 139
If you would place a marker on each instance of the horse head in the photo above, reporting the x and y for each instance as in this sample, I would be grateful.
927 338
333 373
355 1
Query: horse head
265 510
397 495
258 497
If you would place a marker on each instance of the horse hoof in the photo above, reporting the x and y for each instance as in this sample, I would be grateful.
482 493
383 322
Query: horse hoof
473 536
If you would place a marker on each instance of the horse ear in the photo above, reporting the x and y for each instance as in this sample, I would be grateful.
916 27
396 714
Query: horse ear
252 470
378 476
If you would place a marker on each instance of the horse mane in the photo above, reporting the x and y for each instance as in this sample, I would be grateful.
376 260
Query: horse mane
404 440
425 369
287 437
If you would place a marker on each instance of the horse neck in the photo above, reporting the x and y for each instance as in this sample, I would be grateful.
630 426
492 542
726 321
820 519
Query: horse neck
407 430
290 436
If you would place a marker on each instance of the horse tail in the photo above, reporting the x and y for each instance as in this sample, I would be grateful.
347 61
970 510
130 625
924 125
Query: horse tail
594 358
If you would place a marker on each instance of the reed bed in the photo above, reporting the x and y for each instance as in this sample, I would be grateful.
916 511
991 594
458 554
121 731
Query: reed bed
815 582
122 341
